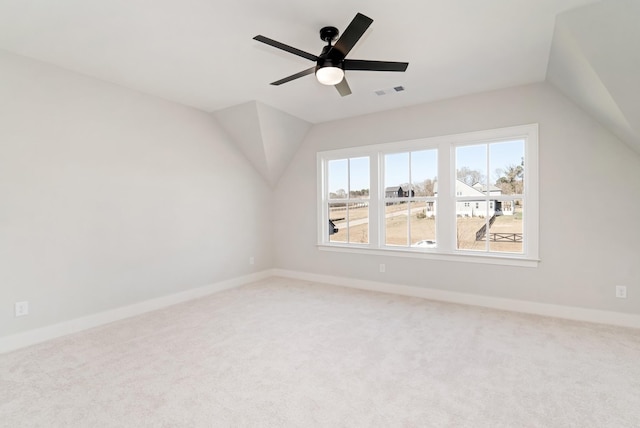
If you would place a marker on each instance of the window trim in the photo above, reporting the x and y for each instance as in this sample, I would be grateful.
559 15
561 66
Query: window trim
445 199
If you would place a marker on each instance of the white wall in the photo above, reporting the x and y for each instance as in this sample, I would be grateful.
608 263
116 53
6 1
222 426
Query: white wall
584 253
110 197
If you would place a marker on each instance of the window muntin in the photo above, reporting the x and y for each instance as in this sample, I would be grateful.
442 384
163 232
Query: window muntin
515 243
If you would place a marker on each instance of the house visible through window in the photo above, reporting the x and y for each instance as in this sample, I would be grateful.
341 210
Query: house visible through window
397 197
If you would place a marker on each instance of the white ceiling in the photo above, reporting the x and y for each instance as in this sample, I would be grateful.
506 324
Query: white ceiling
201 53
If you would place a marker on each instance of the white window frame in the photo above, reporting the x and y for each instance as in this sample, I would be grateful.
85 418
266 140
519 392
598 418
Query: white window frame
445 199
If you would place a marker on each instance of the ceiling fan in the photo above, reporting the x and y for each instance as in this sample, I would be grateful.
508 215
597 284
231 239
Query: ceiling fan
331 63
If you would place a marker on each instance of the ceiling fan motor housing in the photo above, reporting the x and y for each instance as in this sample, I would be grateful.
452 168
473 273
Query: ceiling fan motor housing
328 62
324 60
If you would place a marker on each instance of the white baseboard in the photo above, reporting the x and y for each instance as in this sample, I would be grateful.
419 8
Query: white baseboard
545 309
31 337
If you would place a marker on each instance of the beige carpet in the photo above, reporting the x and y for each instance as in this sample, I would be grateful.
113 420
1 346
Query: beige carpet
285 353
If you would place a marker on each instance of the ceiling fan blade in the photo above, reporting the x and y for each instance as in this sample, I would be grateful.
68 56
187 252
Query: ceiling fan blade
343 87
363 64
350 36
285 48
294 76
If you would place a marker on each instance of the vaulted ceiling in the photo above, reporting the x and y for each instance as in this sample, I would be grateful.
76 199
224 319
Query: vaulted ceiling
595 61
201 53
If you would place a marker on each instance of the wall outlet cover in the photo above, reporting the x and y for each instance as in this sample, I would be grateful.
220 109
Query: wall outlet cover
22 308
621 291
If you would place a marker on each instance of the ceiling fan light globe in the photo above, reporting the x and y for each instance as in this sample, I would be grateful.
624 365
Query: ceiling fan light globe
330 75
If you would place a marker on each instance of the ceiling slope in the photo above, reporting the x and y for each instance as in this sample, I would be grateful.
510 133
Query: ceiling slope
202 54
268 137
595 61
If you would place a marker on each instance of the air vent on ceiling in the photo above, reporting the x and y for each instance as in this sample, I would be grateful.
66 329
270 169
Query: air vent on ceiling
389 91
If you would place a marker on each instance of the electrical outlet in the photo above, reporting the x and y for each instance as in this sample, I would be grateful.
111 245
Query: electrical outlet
22 308
621 292
252 260
383 268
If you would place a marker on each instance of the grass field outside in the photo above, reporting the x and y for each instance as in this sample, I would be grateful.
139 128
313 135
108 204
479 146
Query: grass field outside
399 223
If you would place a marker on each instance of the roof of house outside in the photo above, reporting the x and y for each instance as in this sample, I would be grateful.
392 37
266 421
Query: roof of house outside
404 187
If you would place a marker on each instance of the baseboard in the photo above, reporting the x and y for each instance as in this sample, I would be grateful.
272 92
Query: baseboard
545 309
31 337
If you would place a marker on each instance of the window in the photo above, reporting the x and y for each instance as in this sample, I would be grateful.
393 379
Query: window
463 197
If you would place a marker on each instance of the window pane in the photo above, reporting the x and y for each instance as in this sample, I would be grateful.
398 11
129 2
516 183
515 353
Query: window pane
349 222
396 175
470 232
396 226
424 172
358 215
359 177
338 222
338 182
423 224
506 233
471 165
506 161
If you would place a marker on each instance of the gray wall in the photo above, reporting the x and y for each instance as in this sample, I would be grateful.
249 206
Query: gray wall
109 197
589 194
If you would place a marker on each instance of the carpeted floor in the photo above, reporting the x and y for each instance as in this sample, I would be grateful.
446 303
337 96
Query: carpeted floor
287 353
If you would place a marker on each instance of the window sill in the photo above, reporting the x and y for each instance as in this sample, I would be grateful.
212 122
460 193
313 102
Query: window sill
466 257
